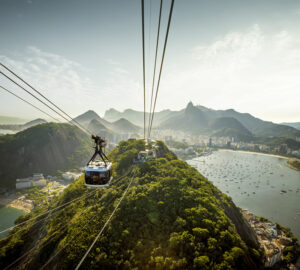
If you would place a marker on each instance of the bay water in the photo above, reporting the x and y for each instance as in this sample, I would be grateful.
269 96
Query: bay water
263 184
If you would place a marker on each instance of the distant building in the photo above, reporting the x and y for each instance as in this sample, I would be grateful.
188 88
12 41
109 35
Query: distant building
283 148
71 176
210 142
256 147
37 180
23 183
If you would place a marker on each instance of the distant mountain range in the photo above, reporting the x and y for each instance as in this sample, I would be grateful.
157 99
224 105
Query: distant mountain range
20 127
137 117
202 120
294 125
9 120
94 122
197 120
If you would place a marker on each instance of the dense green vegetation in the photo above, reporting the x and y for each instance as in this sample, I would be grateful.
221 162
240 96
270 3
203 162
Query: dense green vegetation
37 196
171 218
44 148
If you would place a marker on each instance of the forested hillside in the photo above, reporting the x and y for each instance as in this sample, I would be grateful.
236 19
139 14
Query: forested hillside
45 148
171 218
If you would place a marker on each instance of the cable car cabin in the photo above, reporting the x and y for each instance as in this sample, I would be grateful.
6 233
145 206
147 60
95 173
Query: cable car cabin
97 174
145 155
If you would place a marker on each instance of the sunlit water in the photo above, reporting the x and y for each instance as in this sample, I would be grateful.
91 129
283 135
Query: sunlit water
259 183
8 215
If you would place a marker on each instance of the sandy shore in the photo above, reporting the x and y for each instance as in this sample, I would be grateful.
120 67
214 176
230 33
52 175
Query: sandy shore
256 153
18 202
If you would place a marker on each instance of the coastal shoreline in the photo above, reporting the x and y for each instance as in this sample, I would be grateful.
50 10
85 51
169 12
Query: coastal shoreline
252 152
291 167
18 202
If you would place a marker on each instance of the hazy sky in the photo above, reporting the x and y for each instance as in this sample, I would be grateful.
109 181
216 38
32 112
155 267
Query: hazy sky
221 54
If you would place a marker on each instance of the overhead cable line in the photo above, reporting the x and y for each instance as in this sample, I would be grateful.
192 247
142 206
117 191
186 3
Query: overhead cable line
29 103
83 129
154 72
72 238
106 223
28 252
86 224
58 251
149 45
49 215
71 119
144 79
162 61
20 258
52 210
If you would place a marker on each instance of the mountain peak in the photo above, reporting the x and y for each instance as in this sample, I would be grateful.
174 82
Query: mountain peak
122 120
112 110
34 123
190 105
87 116
190 108
90 112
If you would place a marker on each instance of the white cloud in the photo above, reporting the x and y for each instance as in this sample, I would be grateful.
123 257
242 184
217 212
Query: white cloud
70 85
63 81
249 71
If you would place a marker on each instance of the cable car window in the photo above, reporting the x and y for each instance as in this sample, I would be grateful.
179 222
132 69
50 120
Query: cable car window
95 178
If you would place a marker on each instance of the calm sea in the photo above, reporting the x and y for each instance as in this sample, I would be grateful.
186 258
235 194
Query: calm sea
259 183
8 215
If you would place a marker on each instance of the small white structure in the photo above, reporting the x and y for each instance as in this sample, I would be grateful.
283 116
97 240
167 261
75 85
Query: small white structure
23 183
37 180
70 176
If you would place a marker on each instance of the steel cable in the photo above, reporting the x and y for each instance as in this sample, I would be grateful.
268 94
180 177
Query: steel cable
29 103
162 61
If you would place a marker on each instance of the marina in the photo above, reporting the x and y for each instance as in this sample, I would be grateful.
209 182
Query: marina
260 183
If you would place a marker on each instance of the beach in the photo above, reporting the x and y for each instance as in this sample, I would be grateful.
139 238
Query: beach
18 202
252 152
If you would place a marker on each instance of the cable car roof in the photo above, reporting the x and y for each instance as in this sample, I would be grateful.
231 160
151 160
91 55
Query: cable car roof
98 166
